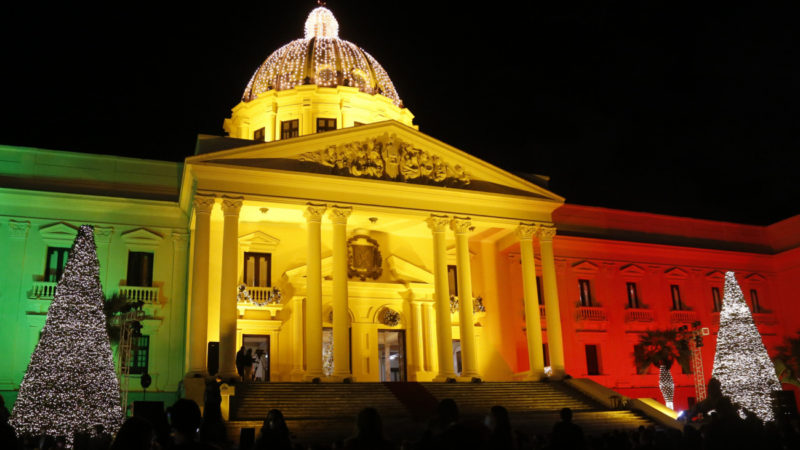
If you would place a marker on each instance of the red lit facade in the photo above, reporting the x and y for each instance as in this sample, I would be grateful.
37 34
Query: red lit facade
621 272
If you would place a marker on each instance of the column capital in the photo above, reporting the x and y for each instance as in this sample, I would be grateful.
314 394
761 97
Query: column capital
102 235
314 212
19 228
203 203
546 234
339 214
231 205
437 223
460 225
526 231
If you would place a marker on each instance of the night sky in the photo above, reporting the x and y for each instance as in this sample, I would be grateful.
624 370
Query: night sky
665 108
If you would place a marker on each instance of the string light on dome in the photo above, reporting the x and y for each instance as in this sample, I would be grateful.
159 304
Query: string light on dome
332 62
741 363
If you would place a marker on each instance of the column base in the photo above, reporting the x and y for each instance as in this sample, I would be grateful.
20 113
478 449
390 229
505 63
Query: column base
529 376
558 374
444 377
311 378
469 376
340 378
194 389
231 377
297 375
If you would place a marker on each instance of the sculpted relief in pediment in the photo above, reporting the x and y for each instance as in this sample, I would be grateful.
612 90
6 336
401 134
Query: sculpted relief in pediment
388 158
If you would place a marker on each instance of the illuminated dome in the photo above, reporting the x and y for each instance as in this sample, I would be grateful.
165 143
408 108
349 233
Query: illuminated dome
323 59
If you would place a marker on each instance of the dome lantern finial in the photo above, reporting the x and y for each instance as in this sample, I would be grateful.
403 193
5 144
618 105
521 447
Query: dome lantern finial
321 23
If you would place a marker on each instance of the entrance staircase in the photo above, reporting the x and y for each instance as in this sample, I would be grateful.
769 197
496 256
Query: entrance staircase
325 413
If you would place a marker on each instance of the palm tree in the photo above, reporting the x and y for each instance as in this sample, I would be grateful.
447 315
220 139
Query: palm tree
662 348
787 361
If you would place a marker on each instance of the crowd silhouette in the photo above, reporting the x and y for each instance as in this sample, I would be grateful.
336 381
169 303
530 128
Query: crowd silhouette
183 427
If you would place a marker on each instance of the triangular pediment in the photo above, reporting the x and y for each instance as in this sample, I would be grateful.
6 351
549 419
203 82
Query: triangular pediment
387 151
585 267
141 236
715 275
755 278
633 270
258 241
676 273
59 234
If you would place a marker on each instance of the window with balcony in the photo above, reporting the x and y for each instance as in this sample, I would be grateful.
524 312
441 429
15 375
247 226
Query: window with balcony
754 304
633 295
140 269
592 360
325 124
585 288
717 299
56 261
259 134
140 354
452 279
677 304
257 269
290 128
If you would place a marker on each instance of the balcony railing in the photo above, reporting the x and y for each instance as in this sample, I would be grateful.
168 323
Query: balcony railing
765 319
144 294
639 315
44 290
592 313
682 316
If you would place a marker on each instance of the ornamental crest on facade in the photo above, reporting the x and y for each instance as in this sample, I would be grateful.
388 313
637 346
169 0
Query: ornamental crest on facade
363 258
388 158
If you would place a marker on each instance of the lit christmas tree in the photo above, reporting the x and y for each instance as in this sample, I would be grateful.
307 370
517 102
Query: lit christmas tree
741 363
70 385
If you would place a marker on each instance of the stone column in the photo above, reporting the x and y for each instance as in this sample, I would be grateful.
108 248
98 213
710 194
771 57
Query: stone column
533 322
341 344
444 334
555 342
227 298
297 339
429 337
464 275
416 336
313 216
198 320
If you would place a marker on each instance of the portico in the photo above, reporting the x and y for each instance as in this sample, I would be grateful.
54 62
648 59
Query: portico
352 256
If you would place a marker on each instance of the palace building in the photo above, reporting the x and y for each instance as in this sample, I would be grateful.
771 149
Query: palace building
330 233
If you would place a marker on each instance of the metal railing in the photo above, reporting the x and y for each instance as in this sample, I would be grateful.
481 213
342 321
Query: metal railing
592 313
144 294
681 316
639 315
44 290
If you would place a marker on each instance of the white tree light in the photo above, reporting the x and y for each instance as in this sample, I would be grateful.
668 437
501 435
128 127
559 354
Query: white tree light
70 385
741 362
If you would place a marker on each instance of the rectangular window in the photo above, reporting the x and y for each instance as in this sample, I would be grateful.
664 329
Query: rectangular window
56 261
140 354
677 304
539 289
633 296
452 279
325 124
756 306
259 134
290 128
257 269
140 269
592 360
717 299
586 292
